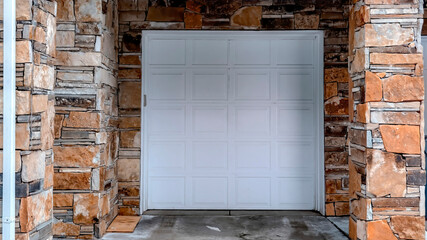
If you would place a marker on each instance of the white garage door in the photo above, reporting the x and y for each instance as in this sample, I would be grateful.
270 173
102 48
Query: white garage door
232 119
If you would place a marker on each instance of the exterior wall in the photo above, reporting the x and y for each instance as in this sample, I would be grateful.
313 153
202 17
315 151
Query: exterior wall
86 136
387 163
330 16
35 48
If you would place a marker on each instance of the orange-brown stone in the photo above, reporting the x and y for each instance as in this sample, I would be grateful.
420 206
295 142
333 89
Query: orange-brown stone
247 17
331 90
165 14
330 209
65 229
130 139
307 21
400 88
63 200
83 120
401 138
22 136
76 156
355 184
408 227
71 181
377 35
342 208
58 120
65 10
337 75
394 58
130 122
130 73
34 210
362 16
86 208
17 161
363 113
373 87
48 176
192 20
130 95
129 60
336 106
352 229
385 174
376 230
361 208
128 170
358 64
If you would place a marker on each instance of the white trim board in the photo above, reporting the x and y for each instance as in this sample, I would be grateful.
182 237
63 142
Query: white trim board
317 36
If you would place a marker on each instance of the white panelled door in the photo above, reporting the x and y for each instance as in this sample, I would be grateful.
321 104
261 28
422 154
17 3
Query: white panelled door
232 119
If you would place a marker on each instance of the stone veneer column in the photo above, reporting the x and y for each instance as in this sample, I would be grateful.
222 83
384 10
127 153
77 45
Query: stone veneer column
387 164
86 137
35 50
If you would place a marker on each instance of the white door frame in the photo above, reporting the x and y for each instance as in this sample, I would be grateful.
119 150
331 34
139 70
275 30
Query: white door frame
319 103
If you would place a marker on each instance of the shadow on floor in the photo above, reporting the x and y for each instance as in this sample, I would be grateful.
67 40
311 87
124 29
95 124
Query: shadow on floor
243 225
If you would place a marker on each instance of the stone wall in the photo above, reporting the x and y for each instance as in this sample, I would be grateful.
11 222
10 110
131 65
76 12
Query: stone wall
327 15
35 48
387 162
86 136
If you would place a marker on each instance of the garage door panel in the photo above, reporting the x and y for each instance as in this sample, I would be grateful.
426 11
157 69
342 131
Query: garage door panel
252 85
296 192
295 87
295 121
167 52
252 52
296 155
210 52
209 85
167 120
210 121
294 51
215 198
252 155
167 192
253 192
210 155
252 121
167 155
167 85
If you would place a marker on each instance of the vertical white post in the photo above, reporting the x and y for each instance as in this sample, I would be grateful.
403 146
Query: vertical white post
9 51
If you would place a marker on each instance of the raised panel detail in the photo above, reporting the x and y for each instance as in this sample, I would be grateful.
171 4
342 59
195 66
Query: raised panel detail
295 52
166 192
166 86
252 121
295 154
296 192
295 121
252 155
167 120
166 154
211 121
210 155
210 52
295 87
210 192
253 191
167 52
210 85
252 52
252 85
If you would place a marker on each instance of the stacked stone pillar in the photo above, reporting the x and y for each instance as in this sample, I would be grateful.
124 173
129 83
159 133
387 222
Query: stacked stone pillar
86 137
35 53
386 164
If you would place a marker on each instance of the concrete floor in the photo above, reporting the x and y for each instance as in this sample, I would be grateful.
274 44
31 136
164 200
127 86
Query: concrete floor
240 225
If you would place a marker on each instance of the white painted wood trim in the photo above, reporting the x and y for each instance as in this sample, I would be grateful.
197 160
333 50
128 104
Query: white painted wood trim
9 85
319 70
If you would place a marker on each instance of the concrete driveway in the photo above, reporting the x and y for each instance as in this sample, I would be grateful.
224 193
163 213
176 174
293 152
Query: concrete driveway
237 225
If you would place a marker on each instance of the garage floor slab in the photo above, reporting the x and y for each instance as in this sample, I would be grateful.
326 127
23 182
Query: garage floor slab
248 227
